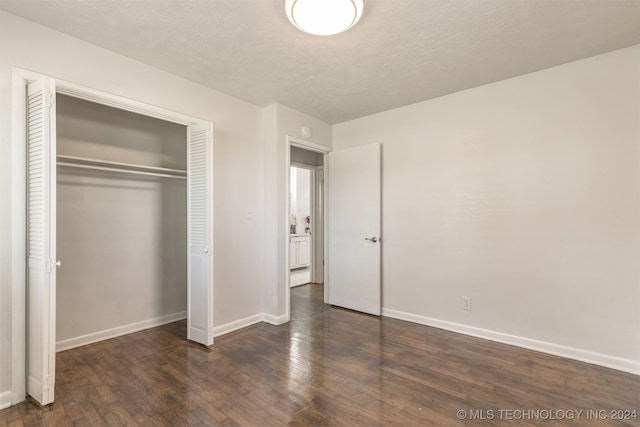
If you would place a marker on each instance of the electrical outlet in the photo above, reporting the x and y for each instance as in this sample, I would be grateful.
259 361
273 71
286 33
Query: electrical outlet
466 303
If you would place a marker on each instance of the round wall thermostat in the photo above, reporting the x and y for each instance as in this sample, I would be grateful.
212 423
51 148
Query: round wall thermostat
306 132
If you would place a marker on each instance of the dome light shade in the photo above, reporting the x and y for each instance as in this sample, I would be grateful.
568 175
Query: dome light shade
324 17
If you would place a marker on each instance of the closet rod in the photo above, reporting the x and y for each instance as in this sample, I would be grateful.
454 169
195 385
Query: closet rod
108 169
105 165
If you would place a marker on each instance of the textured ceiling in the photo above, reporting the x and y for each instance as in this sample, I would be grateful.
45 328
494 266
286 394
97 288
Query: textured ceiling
401 52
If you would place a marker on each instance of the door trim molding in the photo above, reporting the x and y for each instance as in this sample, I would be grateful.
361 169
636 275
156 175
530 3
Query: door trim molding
306 145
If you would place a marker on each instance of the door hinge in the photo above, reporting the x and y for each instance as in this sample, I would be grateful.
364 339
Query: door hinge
47 265
49 100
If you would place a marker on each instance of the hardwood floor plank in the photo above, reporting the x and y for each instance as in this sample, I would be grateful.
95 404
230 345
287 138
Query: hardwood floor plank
328 366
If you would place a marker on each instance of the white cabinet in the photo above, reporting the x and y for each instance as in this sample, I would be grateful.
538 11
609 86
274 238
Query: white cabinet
299 251
304 251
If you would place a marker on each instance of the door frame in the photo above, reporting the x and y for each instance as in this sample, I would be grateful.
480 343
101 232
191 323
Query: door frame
20 77
316 148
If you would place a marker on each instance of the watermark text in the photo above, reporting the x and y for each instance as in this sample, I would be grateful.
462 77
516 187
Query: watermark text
524 414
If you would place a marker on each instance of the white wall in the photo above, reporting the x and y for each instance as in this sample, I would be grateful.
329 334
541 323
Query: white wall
524 196
238 165
279 122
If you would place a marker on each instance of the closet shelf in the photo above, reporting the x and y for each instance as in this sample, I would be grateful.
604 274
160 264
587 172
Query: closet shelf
105 165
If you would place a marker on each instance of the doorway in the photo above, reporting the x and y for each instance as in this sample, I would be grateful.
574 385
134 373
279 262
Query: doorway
305 213
300 205
306 224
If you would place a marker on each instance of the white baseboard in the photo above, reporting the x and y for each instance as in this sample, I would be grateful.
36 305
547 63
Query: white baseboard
118 331
158 321
5 399
248 321
237 324
608 361
275 320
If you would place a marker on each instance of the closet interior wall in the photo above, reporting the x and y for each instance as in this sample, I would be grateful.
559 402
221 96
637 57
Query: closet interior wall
121 237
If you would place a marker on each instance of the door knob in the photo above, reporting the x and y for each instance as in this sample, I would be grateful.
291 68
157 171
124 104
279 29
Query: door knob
58 263
371 239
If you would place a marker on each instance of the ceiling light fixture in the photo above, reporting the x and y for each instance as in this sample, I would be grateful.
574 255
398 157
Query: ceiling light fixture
324 17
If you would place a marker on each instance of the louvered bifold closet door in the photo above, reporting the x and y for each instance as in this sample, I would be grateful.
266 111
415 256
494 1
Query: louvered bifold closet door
41 239
200 234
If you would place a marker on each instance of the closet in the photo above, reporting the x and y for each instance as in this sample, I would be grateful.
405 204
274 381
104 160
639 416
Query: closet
130 245
121 221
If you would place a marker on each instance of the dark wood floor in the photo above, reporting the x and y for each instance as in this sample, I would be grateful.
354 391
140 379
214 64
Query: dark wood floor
328 366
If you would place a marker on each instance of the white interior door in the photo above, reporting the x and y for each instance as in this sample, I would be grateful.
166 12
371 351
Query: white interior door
354 228
200 234
41 240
